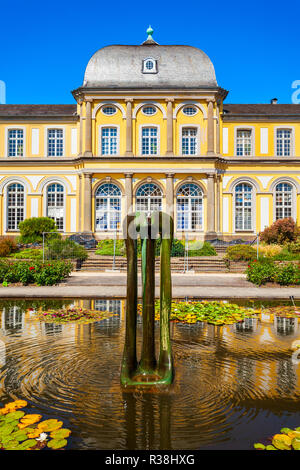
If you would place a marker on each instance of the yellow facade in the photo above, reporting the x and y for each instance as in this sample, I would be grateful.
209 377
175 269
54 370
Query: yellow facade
242 160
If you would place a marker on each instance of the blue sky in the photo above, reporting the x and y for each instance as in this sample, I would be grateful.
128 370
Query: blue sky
45 46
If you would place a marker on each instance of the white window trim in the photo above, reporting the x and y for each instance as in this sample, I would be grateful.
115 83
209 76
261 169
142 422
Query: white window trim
154 62
100 127
109 105
294 196
110 230
198 142
150 105
45 200
245 128
291 128
253 207
190 103
190 106
46 129
187 231
8 128
13 181
141 140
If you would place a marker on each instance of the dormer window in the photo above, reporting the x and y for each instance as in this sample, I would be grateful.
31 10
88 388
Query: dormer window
149 65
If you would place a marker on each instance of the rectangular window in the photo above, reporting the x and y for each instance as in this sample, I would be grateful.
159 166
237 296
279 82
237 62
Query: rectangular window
283 142
55 142
149 141
15 143
243 143
109 141
189 141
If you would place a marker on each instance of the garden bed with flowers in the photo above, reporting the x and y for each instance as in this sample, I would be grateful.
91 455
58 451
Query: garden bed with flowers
264 271
72 315
34 272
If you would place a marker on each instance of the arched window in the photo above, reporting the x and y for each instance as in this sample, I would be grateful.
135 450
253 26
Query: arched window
15 205
283 200
55 204
243 206
149 198
189 207
108 207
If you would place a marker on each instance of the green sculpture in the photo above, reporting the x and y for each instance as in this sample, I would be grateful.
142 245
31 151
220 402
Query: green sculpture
148 371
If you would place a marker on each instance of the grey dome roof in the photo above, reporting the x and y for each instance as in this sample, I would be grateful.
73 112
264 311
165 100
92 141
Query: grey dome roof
120 66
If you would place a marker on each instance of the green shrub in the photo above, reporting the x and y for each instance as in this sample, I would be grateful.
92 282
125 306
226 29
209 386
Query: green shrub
287 274
260 272
293 246
241 253
264 270
206 250
26 272
64 249
106 248
49 274
31 230
7 246
281 231
28 253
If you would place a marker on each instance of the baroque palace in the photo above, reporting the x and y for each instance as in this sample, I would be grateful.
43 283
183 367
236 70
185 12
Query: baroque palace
150 131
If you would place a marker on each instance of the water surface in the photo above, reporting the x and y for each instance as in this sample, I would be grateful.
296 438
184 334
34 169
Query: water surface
234 385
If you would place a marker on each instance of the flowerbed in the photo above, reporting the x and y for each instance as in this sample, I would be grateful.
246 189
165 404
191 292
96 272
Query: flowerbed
34 272
21 431
73 314
215 313
261 271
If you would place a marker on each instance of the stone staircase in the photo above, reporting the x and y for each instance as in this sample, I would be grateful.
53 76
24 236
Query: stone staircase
197 264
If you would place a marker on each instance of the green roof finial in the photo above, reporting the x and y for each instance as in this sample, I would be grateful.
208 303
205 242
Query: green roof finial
149 32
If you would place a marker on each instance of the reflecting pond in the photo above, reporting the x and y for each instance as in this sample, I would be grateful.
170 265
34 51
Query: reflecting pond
234 385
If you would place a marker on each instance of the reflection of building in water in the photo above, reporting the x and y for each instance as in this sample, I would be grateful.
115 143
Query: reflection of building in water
52 328
286 378
12 319
108 305
285 326
249 324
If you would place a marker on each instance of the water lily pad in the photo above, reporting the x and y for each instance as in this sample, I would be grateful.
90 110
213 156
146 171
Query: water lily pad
296 443
30 419
14 415
50 425
27 444
285 430
282 442
57 443
60 433
7 429
270 447
259 446
20 435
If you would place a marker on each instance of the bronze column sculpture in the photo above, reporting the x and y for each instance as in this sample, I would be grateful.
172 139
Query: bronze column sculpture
148 371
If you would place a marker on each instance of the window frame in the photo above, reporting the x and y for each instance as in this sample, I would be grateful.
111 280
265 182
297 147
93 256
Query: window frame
201 196
46 140
292 147
50 183
253 205
9 184
294 197
136 196
252 140
142 126
198 141
154 68
108 126
119 197
11 128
